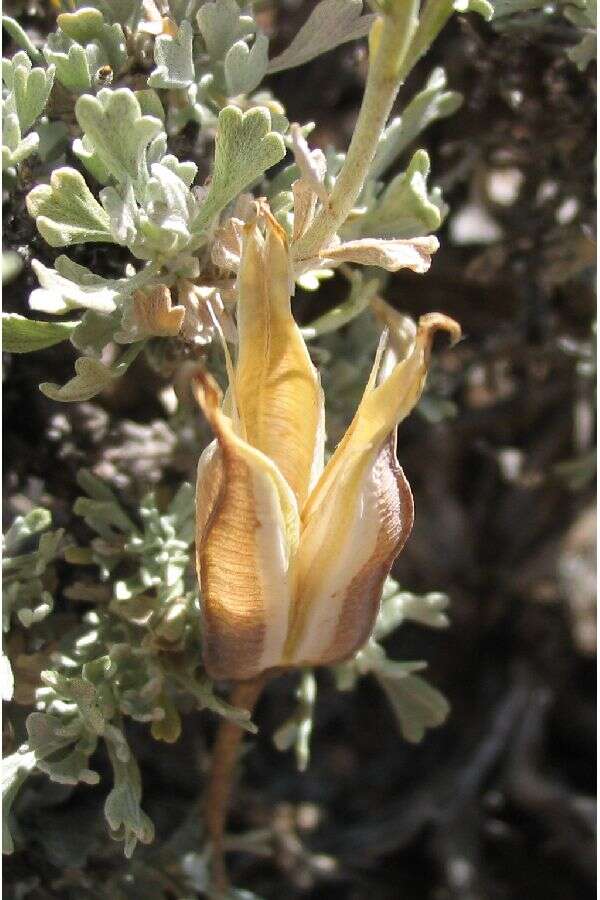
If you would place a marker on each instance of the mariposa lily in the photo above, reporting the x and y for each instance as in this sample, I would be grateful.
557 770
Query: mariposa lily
292 555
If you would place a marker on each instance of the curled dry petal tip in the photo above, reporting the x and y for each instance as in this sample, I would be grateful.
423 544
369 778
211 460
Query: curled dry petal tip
430 323
207 392
292 557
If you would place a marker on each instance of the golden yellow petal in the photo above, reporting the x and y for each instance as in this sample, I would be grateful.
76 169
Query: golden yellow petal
247 535
278 393
385 405
346 552
359 515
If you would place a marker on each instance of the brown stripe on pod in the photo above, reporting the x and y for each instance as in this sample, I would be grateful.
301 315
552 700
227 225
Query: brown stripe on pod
233 609
363 594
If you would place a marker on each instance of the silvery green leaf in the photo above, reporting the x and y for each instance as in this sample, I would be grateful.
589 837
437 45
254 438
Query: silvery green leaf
8 67
122 809
53 139
62 750
12 265
331 23
124 12
416 704
245 67
66 211
169 210
182 510
585 19
24 527
122 209
405 209
71 286
221 24
22 573
11 135
94 332
31 88
399 606
91 377
174 61
21 38
166 187
279 121
113 123
83 148
430 104
101 505
70 61
15 769
186 170
22 149
165 222
24 98
82 45
245 147
584 52
157 149
21 335
207 699
196 108
150 103
82 693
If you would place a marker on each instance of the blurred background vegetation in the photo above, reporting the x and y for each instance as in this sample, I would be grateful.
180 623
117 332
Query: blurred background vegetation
499 802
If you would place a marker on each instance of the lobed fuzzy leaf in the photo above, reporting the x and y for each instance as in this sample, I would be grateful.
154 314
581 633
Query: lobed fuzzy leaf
429 105
221 24
66 212
245 67
245 148
83 44
122 808
331 23
91 377
405 208
416 704
174 60
119 134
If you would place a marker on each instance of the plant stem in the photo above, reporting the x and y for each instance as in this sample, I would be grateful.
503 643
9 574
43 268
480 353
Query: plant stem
224 757
390 40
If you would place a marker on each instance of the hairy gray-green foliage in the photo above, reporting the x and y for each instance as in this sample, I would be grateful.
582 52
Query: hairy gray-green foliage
131 190
132 656
136 652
